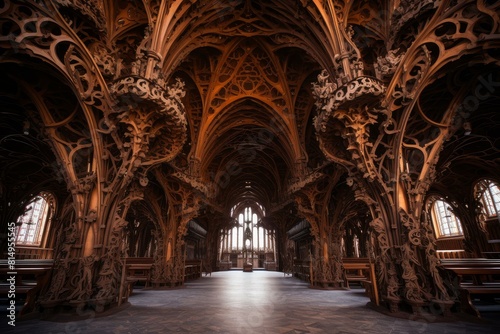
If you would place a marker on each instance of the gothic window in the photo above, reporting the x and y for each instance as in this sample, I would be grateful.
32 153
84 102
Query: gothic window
31 224
247 235
490 198
446 223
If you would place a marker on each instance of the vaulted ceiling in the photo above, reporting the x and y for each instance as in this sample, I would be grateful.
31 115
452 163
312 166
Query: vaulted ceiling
248 68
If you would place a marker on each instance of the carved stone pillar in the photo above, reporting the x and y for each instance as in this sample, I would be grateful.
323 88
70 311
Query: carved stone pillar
184 203
405 250
326 259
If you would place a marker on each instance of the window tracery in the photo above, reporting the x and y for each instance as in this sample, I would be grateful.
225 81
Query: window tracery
490 198
446 223
31 224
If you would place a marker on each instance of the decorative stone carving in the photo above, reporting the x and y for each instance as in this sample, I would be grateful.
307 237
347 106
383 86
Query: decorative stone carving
408 10
423 283
109 66
109 279
352 104
93 9
356 89
205 188
158 272
386 65
62 262
310 178
153 112
83 280
327 272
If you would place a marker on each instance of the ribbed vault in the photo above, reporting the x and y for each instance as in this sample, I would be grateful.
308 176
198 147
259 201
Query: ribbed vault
249 99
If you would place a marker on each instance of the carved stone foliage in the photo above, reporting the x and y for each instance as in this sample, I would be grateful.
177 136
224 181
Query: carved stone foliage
342 210
330 96
139 83
207 189
386 260
158 272
134 123
303 181
452 36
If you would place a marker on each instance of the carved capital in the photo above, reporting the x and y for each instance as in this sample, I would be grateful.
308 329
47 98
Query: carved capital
154 119
360 91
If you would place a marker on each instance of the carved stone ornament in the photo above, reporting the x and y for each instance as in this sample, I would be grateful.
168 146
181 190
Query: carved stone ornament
329 100
386 65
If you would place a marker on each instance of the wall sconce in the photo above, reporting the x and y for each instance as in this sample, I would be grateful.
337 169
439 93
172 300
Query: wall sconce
467 128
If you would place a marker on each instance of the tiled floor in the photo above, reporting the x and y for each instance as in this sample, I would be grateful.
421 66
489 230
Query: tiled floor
256 302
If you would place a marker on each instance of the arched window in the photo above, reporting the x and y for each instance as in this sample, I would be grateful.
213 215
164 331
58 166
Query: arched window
490 198
247 238
31 224
446 223
247 226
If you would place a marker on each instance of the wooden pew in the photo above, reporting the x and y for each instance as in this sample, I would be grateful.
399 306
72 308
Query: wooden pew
27 279
302 269
192 269
137 269
451 254
224 265
361 270
247 267
478 277
270 265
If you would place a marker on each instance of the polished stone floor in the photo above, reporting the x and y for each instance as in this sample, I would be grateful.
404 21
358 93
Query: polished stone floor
256 302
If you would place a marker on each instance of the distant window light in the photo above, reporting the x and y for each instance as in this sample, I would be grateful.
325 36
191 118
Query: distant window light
31 224
490 198
235 240
445 221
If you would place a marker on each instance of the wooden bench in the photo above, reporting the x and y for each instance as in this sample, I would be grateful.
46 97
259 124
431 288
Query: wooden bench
362 271
30 278
270 265
478 277
302 269
451 254
192 269
247 267
224 265
137 269
491 255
